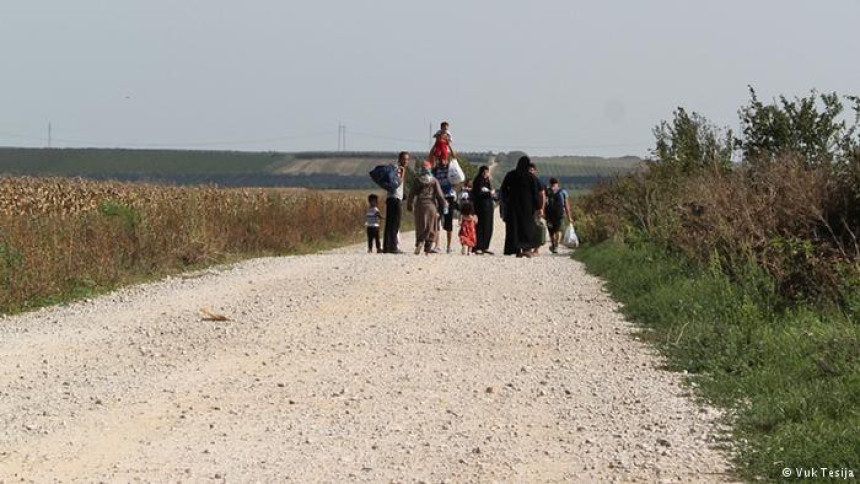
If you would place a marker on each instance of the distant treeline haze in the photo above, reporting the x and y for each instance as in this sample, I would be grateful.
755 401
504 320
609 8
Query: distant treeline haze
339 170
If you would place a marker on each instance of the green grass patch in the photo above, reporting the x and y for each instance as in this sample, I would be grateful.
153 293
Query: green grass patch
789 378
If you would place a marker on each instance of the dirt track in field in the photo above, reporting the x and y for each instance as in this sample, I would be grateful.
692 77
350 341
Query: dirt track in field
349 367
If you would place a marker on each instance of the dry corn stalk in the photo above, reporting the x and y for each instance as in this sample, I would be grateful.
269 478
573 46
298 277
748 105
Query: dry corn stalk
210 316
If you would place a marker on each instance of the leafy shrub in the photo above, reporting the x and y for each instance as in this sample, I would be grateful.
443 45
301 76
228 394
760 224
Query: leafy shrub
791 206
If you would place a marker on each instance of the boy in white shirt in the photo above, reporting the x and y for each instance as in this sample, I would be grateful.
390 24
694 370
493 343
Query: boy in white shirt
371 222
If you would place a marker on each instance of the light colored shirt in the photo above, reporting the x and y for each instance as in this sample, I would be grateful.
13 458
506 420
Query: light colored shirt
398 193
372 217
448 133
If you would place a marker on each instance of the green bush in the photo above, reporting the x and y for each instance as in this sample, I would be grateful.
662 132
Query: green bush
791 207
790 377
747 273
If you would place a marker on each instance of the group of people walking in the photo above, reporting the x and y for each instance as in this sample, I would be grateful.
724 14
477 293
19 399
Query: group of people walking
529 208
526 207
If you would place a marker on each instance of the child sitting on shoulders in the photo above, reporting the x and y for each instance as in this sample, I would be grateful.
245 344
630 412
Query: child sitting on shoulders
442 149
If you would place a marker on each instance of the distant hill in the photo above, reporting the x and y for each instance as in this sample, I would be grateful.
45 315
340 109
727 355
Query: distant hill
324 169
92 161
225 168
572 171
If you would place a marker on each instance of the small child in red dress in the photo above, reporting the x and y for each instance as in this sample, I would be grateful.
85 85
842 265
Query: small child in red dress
442 149
468 237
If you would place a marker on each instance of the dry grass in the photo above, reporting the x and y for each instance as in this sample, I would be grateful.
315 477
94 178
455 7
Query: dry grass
61 237
797 222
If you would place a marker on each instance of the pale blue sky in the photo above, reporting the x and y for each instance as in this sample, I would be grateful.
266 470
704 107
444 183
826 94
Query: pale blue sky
546 76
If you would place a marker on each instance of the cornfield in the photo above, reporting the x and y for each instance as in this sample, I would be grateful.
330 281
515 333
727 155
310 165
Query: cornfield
60 237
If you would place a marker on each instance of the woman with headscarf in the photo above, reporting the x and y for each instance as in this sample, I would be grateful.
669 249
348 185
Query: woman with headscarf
482 199
423 198
520 193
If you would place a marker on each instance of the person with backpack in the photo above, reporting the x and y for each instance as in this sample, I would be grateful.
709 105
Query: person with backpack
441 172
393 208
557 209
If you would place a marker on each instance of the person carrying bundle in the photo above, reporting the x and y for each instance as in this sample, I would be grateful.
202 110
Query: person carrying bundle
391 178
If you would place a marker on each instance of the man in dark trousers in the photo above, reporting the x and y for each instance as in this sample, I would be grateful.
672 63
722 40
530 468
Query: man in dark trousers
542 194
393 208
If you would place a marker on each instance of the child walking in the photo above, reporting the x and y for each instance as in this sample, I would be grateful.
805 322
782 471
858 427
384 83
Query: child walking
372 218
468 237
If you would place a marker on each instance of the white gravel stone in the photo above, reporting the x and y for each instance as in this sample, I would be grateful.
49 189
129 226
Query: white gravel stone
347 366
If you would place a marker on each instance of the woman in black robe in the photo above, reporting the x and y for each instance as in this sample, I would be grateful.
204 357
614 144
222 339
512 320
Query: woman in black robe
482 199
520 193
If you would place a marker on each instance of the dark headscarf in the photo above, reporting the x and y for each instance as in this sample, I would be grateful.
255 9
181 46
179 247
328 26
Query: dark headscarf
520 194
479 180
520 176
524 164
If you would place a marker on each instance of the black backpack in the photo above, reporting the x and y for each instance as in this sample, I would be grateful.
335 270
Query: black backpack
554 201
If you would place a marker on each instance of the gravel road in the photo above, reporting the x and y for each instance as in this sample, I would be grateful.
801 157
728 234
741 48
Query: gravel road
346 366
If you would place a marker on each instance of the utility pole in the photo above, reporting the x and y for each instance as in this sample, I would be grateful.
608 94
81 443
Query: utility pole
50 134
341 136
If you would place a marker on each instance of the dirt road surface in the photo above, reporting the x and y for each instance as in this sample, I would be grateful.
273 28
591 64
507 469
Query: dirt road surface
349 367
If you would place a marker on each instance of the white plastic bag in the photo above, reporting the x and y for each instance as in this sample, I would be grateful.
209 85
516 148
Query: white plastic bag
570 240
455 173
